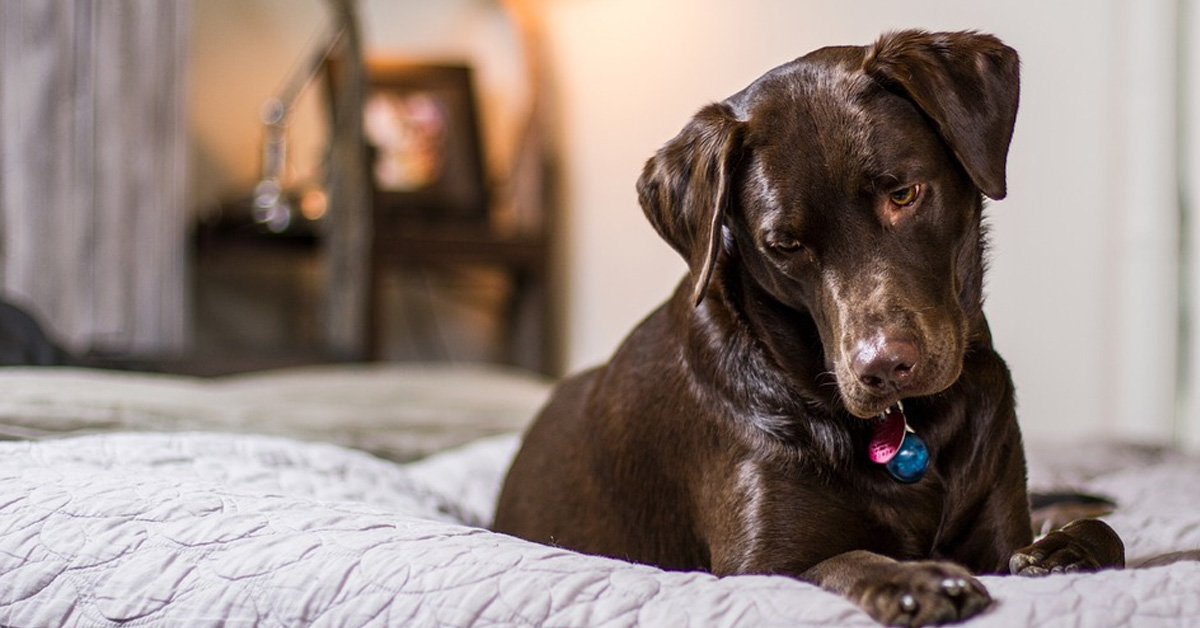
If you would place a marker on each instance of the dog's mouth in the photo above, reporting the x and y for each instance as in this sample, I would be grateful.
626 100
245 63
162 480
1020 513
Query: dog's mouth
871 385
865 402
868 399
870 407
876 371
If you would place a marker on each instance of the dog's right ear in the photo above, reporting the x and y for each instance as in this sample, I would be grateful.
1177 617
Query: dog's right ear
686 187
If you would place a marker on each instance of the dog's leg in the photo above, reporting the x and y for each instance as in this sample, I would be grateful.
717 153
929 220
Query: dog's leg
1083 545
900 593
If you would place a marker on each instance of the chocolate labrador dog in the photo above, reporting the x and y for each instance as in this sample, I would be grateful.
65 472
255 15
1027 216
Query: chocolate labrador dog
820 397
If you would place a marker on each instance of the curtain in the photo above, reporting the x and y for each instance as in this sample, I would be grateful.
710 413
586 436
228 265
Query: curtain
93 223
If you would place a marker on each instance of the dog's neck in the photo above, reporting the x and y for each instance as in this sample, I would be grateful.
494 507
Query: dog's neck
786 341
780 346
969 269
784 400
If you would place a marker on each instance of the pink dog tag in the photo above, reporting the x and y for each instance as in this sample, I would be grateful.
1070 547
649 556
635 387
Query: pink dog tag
886 435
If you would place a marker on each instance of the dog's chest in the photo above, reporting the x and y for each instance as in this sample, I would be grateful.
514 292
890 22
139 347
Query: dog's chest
858 507
906 519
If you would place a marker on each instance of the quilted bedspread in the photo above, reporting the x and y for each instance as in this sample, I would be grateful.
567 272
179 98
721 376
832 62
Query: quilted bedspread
211 529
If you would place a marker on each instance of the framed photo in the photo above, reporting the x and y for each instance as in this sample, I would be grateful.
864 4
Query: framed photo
421 123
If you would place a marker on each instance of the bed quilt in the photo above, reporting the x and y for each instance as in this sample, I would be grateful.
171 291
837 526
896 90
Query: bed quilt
212 529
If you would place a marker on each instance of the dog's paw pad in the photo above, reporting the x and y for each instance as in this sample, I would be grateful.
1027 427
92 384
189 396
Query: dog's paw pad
954 587
1086 545
921 594
1064 560
1027 562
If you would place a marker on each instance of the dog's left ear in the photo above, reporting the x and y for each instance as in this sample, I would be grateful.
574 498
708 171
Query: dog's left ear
686 186
967 83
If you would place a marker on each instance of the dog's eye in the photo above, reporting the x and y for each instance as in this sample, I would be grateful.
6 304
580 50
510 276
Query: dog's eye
905 196
790 245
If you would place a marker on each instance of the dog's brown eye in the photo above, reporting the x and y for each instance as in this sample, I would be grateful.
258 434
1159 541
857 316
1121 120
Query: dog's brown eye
905 196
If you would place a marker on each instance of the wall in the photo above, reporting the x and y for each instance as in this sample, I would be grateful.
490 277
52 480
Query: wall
1187 426
1081 290
242 54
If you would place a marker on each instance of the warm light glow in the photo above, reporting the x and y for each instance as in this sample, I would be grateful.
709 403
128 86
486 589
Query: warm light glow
313 204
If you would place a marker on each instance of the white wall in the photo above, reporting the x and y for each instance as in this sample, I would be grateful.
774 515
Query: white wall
1081 290
1188 421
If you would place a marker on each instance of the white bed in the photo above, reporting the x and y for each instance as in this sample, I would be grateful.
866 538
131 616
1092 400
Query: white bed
156 501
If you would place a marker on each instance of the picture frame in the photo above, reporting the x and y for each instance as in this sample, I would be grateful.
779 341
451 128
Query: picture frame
422 127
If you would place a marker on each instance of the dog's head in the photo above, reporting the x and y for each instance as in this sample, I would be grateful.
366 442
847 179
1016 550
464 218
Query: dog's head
848 185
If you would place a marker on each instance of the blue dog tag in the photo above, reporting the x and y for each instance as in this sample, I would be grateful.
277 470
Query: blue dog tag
910 462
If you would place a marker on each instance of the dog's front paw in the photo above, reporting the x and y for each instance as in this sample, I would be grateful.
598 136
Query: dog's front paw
923 593
1084 545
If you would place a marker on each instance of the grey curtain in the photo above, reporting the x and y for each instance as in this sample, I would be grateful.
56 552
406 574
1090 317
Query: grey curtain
92 170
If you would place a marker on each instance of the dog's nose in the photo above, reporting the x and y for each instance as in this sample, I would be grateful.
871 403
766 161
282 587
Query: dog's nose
886 364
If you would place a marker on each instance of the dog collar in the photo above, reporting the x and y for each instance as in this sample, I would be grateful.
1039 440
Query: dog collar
897 447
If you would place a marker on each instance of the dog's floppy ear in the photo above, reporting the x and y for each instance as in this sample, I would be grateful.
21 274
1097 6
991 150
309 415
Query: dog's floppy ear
686 186
967 83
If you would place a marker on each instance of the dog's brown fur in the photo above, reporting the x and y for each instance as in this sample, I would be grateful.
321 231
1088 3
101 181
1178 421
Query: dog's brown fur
831 217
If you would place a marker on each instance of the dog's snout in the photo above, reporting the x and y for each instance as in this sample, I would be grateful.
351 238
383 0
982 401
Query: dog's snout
886 364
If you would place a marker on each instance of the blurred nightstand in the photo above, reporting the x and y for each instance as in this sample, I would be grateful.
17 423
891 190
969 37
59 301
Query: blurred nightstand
525 310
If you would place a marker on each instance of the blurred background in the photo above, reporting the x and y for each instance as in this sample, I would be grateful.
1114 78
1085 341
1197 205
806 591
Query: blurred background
194 185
